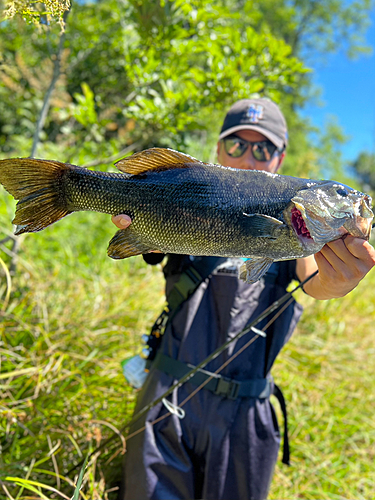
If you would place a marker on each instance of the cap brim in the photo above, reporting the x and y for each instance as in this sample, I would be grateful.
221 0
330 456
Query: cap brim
279 143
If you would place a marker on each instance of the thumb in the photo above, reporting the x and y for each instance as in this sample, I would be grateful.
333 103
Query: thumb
122 221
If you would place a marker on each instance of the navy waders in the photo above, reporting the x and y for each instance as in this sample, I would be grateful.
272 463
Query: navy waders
226 446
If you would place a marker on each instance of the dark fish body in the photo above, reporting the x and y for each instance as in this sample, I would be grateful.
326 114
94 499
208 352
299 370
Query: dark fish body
195 210
181 205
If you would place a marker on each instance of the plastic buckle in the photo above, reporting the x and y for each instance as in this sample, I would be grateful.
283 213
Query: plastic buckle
227 387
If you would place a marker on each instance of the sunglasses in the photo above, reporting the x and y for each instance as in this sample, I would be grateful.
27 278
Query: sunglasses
261 150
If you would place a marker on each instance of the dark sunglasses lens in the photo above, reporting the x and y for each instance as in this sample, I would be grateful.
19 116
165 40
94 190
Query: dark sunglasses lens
234 146
263 151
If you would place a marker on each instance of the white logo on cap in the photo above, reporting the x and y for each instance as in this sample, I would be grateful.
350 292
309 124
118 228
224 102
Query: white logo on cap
255 113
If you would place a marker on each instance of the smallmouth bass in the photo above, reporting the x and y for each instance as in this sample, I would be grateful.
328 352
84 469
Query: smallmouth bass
179 204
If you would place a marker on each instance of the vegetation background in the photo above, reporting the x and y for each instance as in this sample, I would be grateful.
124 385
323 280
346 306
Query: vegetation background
91 82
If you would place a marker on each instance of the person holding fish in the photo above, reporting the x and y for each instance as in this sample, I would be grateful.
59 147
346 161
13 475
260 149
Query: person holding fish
221 441
226 445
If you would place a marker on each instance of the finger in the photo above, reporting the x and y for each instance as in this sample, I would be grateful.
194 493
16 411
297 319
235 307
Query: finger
337 254
122 221
349 247
356 254
348 266
361 249
325 267
337 265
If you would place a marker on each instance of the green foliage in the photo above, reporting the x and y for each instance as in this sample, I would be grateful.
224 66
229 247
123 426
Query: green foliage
328 381
37 12
364 167
314 153
80 479
72 317
160 74
134 74
154 69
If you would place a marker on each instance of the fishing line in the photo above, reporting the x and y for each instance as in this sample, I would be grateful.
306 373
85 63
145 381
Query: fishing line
269 310
226 363
221 348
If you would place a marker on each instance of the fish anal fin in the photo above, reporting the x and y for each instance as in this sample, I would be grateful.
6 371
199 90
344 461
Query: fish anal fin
155 159
262 226
126 244
253 269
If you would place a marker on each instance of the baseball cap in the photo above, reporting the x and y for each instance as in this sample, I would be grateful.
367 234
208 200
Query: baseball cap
261 115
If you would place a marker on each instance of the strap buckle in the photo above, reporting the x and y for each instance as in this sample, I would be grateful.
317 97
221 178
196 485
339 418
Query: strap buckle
227 387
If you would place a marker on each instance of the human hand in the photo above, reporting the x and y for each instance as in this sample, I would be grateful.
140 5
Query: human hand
342 264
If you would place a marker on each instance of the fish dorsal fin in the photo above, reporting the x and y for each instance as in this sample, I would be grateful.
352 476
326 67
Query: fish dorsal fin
154 159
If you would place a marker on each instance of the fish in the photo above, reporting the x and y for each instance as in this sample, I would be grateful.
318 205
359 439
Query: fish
179 204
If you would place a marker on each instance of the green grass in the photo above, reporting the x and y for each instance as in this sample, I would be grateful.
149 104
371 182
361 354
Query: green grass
74 314
328 375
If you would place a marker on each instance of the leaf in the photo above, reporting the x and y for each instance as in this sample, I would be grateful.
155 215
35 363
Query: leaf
80 479
30 485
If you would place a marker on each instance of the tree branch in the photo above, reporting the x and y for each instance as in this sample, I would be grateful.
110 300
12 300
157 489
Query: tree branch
115 157
40 124
47 98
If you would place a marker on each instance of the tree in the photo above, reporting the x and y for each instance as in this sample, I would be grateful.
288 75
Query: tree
364 167
316 27
37 11
135 72
148 73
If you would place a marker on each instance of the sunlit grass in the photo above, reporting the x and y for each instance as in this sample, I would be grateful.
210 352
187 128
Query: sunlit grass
74 314
329 381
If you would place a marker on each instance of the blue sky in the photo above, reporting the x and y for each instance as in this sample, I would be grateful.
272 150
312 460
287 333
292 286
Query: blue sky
348 92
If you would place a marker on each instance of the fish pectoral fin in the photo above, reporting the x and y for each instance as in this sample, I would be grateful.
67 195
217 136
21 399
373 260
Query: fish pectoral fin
126 244
262 226
155 159
253 269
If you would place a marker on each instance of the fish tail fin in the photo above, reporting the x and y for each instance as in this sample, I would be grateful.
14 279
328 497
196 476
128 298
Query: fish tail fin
39 187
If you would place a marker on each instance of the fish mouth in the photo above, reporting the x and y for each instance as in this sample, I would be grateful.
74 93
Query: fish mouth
315 228
360 224
299 224
319 218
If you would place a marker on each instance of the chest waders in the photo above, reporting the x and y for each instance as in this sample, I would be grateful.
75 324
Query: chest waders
190 279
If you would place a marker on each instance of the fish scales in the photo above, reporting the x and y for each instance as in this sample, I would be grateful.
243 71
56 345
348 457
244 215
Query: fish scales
186 210
181 205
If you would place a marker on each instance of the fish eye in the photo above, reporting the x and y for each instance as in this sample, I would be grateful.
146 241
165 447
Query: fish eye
342 191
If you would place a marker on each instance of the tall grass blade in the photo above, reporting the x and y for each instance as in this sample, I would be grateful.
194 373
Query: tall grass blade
34 485
9 284
80 480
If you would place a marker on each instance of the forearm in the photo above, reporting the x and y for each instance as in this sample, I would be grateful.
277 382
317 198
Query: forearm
321 291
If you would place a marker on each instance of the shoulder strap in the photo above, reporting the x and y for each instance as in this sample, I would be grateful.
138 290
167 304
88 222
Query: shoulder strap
188 282
190 279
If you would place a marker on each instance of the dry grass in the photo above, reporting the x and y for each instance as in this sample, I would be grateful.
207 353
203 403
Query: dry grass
72 318
74 315
329 380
